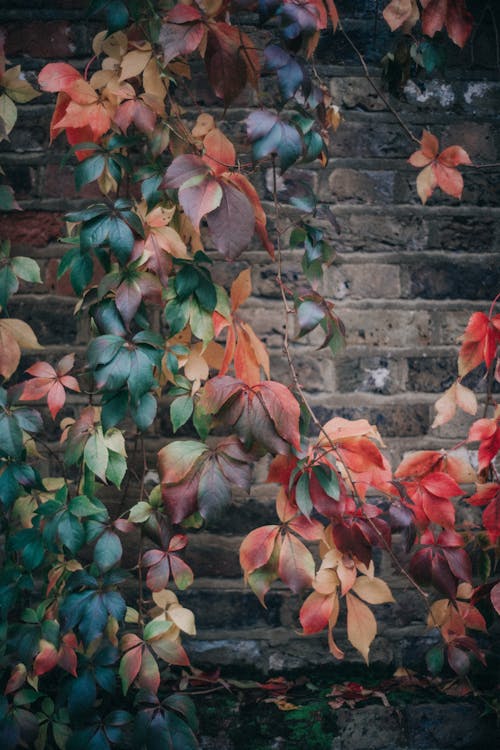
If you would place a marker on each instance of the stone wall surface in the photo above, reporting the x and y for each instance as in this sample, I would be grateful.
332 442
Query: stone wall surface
405 279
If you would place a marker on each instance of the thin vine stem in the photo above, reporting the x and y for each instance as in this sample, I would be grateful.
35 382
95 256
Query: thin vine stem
314 418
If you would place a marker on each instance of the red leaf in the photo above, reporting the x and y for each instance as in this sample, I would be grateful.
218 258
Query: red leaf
182 33
199 200
46 659
449 180
491 519
58 77
442 485
296 564
284 410
231 61
315 612
450 13
495 597
479 342
130 666
257 548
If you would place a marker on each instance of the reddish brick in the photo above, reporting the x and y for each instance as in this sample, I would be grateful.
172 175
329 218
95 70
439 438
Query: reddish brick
59 182
35 228
62 286
40 39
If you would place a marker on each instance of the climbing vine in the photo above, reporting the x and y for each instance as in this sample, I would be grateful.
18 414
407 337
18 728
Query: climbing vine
90 641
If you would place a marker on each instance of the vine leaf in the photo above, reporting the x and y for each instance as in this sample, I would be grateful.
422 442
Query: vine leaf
231 61
479 342
50 382
439 169
449 13
269 135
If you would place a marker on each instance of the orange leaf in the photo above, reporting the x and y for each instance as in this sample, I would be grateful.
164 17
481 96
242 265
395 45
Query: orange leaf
361 625
241 288
401 13
257 548
219 152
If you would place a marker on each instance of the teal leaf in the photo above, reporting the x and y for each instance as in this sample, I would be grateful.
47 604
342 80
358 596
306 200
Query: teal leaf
108 551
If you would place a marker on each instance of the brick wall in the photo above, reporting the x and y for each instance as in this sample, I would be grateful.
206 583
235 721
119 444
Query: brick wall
405 280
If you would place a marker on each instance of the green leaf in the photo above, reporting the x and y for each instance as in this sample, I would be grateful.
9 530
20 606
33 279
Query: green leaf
103 349
108 551
114 409
206 294
309 315
116 468
95 455
71 532
81 272
328 481
89 170
177 315
82 506
11 436
186 281
120 238
434 659
180 411
140 512
302 495
201 323
8 285
26 269
144 411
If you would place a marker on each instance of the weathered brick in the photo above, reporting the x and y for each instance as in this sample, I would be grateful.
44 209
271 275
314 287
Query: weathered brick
368 728
467 234
431 374
392 420
355 93
381 231
51 318
32 228
386 327
41 39
451 279
446 726
363 281
357 186
379 374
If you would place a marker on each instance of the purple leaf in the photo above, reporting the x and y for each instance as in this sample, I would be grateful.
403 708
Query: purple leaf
232 223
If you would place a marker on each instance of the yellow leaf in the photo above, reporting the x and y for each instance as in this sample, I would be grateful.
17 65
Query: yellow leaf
426 183
134 63
183 618
164 598
446 406
22 333
361 625
152 80
17 87
115 45
373 590
114 441
10 353
204 124
8 115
